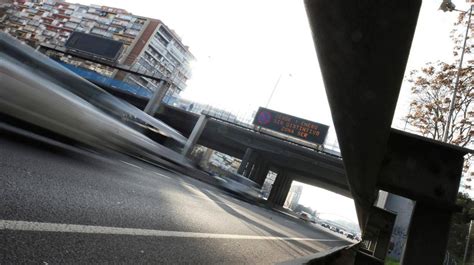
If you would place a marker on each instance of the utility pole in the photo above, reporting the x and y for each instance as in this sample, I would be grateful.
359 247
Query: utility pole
274 89
467 243
456 84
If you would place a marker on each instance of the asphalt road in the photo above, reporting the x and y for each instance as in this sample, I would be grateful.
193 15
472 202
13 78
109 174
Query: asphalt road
60 205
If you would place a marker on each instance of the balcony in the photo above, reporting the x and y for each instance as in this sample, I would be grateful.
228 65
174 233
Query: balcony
157 45
177 53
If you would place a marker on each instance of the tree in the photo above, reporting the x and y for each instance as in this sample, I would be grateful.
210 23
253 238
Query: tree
432 90
433 87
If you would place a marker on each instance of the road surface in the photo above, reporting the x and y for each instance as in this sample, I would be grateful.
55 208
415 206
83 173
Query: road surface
61 205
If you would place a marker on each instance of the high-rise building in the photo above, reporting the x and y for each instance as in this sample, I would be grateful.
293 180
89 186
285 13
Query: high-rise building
148 44
293 197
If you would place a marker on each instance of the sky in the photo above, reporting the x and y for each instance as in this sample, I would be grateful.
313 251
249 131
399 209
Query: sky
245 49
328 204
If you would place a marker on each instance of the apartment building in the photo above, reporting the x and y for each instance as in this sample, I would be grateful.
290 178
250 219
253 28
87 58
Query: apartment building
148 44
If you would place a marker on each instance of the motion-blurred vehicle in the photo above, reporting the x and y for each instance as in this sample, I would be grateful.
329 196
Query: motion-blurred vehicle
239 185
350 236
305 216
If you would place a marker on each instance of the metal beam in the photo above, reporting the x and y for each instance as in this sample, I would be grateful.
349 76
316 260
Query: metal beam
362 49
421 169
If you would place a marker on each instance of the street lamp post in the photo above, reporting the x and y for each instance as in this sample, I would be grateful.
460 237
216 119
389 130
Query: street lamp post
456 83
274 88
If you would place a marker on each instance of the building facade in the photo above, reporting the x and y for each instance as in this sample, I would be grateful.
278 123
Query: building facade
293 197
403 207
148 44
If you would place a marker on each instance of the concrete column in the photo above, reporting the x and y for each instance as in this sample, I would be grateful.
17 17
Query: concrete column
249 168
205 158
195 134
261 173
280 189
427 235
245 160
255 169
155 100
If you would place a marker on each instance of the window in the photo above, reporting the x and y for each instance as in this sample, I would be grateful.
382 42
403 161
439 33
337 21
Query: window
162 40
165 33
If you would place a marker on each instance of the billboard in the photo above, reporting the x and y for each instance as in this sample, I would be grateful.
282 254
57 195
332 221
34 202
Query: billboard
297 127
94 46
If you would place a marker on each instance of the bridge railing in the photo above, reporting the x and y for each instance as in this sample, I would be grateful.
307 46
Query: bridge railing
269 133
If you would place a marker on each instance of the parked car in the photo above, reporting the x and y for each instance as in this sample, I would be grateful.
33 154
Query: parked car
335 229
350 236
325 225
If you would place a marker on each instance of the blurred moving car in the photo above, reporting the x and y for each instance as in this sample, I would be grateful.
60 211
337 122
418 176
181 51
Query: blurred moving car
239 185
305 216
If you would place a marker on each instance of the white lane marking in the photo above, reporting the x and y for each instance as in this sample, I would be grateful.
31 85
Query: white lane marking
89 229
162 175
130 164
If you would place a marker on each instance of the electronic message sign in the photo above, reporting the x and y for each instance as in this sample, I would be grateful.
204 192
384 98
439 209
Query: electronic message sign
290 125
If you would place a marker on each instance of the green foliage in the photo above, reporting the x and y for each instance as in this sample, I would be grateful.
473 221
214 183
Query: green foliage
460 225
390 261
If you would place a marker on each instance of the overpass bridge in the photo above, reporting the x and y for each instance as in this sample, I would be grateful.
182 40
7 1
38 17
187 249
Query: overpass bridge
258 151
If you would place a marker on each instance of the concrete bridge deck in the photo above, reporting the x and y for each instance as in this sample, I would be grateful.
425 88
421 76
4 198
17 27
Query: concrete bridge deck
295 162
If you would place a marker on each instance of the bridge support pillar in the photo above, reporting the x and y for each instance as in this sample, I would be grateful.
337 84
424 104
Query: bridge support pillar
206 157
245 161
256 167
155 100
195 134
427 235
261 173
280 189
378 232
251 166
